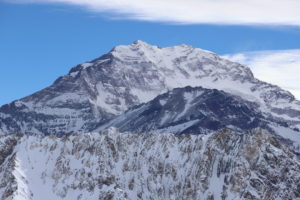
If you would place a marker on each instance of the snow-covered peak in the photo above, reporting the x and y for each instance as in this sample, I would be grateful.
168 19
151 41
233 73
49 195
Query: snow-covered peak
140 43
146 52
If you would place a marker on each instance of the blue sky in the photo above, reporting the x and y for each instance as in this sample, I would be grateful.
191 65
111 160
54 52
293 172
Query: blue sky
40 42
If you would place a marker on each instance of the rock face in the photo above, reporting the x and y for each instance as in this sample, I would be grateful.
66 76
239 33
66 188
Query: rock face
192 111
112 165
199 111
95 92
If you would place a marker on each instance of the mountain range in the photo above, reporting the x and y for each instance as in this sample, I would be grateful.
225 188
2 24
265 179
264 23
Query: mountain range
187 124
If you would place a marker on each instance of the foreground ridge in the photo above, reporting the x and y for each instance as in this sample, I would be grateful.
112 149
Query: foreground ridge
114 165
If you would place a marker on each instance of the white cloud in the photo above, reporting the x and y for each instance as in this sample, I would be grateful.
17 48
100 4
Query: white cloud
277 67
248 12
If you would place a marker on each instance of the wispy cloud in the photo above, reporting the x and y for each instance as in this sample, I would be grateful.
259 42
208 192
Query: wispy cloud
278 67
245 12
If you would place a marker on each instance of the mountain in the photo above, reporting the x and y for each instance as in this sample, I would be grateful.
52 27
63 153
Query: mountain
95 92
112 165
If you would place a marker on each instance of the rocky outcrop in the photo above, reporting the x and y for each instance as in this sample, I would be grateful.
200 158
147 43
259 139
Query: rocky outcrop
8 184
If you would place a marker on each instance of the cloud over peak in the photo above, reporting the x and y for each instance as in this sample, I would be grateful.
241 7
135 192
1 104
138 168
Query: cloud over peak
281 67
230 12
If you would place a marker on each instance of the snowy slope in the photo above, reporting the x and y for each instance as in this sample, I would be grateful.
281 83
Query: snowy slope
112 165
96 91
